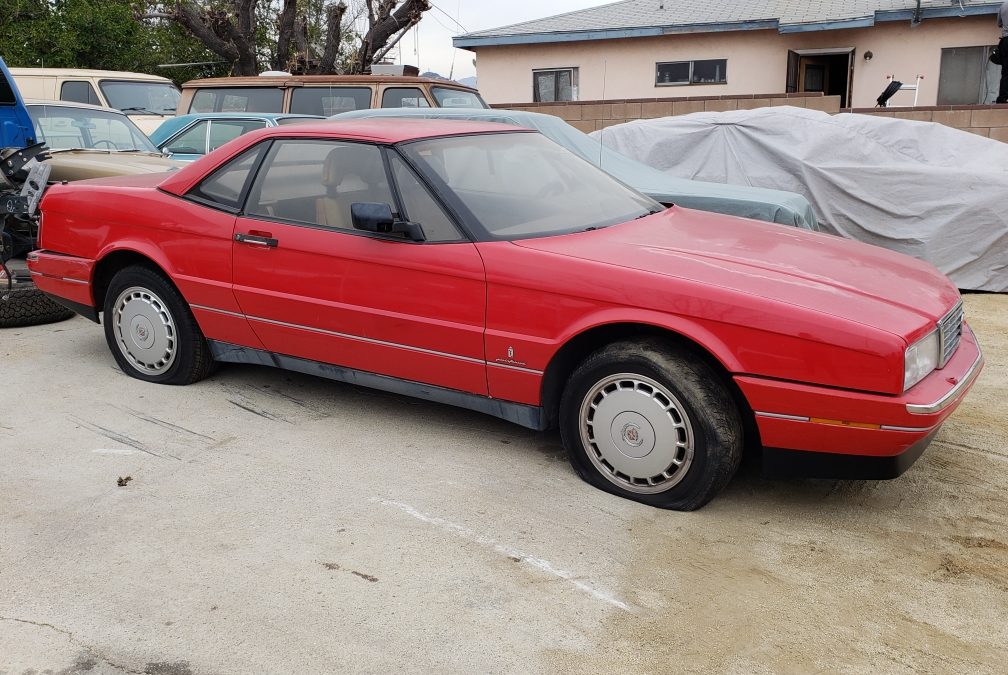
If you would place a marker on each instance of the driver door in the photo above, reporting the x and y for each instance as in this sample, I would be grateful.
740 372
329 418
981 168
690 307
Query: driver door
314 287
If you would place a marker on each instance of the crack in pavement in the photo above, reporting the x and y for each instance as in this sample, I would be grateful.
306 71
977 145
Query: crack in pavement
75 640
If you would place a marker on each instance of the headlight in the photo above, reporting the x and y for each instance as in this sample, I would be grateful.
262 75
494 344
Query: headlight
920 359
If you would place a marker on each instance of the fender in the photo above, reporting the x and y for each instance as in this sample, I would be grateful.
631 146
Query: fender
684 326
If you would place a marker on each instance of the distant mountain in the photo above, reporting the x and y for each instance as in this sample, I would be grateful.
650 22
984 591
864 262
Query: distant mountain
467 81
435 76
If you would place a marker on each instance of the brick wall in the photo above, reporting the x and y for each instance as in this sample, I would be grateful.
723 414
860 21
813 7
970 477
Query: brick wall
984 120
588 116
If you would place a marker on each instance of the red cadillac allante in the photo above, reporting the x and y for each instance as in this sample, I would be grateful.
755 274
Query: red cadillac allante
484 266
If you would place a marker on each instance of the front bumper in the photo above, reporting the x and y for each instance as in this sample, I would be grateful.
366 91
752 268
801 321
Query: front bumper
834 433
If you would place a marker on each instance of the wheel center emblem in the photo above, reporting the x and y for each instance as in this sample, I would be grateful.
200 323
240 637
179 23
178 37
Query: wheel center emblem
632 435
141 332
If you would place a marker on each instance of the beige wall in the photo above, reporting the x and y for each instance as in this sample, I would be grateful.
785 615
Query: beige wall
757 60
588 116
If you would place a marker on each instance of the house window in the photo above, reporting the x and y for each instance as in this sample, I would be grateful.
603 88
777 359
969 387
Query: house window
967 77
554 85
672 73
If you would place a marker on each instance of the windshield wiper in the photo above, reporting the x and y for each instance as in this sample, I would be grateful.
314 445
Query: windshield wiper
144 110
649 213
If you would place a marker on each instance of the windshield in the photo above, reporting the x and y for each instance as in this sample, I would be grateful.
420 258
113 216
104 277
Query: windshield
522 185
141 98
457 98
67 128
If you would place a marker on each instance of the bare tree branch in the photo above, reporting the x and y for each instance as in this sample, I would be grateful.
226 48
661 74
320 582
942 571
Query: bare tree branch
229 29
387 23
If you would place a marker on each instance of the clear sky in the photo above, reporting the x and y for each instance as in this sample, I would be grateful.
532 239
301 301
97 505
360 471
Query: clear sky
429 45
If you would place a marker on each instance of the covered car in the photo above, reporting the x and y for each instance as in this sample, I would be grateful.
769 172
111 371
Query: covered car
774 206
919 188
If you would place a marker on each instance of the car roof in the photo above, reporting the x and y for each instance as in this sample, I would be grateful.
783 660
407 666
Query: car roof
71 104
286 80
383 131
242 115
86 72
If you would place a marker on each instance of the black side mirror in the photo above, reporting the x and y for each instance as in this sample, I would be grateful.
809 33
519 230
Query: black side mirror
375 217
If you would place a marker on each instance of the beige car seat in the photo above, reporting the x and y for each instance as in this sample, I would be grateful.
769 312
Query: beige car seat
352 173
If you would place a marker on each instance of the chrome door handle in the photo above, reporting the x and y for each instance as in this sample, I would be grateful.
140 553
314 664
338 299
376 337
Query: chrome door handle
256 240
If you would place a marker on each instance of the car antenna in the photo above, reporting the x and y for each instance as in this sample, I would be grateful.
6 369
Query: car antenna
601 148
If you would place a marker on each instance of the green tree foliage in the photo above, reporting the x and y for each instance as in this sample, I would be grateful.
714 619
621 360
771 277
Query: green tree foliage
98 34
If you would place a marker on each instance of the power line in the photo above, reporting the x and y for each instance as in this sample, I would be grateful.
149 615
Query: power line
454 20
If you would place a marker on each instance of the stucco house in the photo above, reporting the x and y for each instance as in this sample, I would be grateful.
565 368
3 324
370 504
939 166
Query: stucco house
673 48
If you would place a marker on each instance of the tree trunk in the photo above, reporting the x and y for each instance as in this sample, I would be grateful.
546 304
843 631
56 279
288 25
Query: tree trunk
334 35
285 34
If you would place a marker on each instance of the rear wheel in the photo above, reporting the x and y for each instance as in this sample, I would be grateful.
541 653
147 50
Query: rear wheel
652 423
151 330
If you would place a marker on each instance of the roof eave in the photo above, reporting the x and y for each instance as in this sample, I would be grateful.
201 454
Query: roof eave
475 41
468 41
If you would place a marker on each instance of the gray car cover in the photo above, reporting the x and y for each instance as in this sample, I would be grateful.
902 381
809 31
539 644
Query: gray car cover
775 206
924 189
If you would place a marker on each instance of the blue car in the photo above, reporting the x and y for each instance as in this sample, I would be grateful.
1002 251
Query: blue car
189 137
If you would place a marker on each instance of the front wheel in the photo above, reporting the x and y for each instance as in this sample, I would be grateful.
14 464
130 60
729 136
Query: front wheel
151 330
652 423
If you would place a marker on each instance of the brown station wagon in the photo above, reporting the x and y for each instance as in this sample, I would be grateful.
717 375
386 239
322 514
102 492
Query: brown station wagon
323 94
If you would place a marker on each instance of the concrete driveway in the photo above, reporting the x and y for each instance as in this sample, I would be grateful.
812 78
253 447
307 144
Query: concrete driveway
279 523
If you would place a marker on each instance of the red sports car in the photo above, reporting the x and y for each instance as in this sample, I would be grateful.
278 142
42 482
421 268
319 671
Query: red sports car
486 267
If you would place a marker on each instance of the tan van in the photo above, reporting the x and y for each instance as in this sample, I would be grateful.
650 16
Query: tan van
147 99
323 94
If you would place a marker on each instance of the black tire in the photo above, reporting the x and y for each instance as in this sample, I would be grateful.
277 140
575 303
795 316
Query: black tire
191 360
25 305
701 415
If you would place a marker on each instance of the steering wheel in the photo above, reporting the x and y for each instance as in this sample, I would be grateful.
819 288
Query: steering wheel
111 145
553 187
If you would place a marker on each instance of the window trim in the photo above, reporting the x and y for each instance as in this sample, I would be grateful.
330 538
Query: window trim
690 83
575 84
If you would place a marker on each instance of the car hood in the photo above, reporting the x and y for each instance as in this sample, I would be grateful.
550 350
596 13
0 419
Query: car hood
71 165
820 272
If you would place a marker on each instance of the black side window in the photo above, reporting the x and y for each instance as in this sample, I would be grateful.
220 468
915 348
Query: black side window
226 186
238 99
404 97
329 100
6 91
79 92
